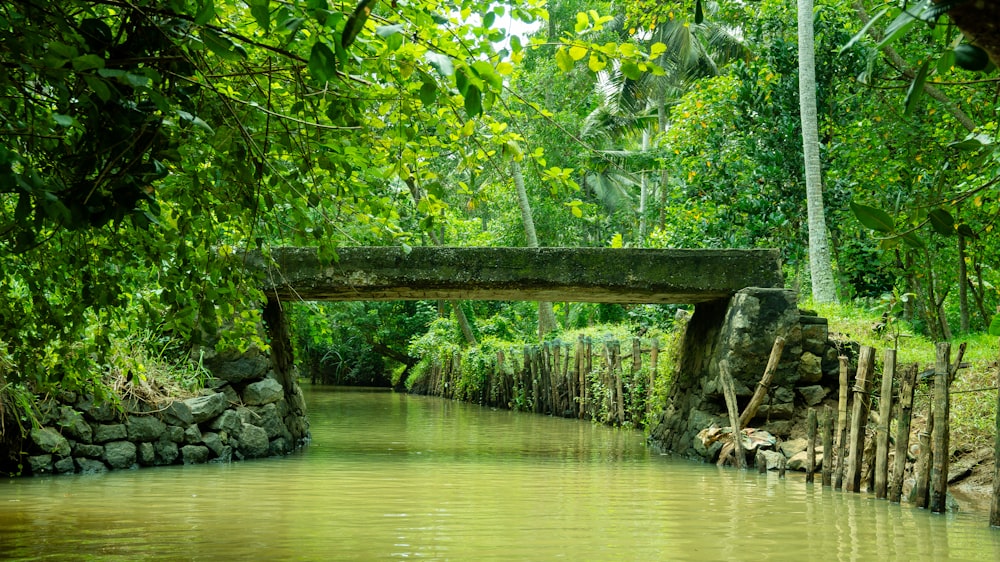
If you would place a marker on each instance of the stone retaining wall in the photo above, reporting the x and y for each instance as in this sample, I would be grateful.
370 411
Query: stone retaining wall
246 412
741 332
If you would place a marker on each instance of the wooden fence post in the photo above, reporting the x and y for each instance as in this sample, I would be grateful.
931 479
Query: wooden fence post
885 413
729 390
765 382
903 432
859 418
828 446
995 505
811 447
841 424
941 436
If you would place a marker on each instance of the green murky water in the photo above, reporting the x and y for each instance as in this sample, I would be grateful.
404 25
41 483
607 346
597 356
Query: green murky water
392 476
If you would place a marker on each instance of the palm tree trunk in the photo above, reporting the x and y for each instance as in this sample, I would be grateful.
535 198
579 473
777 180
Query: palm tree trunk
820 266
546 315
643 192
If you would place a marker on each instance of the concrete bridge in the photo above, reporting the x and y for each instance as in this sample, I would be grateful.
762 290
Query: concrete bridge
610 275
740 307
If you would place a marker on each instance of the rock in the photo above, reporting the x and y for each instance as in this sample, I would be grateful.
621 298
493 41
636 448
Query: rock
231 396
204 408
146 454
120 454
178 413
64 465
145 428
194 454
229 422
50 441
800 461
225 455
73 425
66 397
792 447
192 434
779 427
278 446
40 464
166 452
810 368
265 417
235 367
263 392
175 434
96 411
253 441
213 442
88 450
815 334
773 459
813 395
783 394
91 466
112 432
776 411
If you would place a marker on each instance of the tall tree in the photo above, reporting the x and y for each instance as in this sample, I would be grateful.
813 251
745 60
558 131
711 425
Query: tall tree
820 266
546 315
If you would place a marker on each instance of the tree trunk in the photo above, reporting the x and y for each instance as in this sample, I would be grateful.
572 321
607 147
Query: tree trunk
463 323
963 286
643 193
546 316
820 267
661 121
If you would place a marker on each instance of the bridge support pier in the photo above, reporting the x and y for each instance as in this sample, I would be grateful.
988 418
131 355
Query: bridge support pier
741 330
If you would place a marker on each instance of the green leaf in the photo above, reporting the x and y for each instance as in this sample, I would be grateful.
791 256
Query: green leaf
462 81
387 30
356 23
261 13
699 14
473 101
441 63
223 47
913 241
631 70
322 62
486 71
942 222
577 52
995 326
916 90
597 62
874 219
899 26
87 62
206 13
515 43
63 120
488 19
428 93
563 60
98 86
864 30
966 231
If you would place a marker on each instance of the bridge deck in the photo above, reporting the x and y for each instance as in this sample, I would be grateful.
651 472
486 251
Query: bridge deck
613 275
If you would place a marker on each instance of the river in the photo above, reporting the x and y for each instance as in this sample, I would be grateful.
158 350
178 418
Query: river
391 476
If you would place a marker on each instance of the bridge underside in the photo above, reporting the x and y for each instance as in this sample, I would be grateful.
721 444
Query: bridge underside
612 275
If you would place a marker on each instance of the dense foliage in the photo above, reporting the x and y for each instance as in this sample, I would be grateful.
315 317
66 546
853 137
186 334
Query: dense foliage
146 146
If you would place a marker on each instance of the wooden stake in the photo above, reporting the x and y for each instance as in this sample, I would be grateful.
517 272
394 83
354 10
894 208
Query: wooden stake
884 413
859 418
827 446
841 424
921 493
995 505
811 451
941 436
903 432
765 382
729 390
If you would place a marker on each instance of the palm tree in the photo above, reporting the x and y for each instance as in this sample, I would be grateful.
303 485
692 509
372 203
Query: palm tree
820 267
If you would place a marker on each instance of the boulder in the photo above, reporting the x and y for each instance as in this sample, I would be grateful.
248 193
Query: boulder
235 367
204 408
229 422
166 452
101 411
110 432
145 428
194 454
225 455
799 461
146 454
50 441
74 426
279 446
815 334
773 459
813 395
213 441
120 454
776 411
253 441
263 392
91 466
810 368
88 450
40 464
192 434
792 447
64 465
175 433
178 413
266 417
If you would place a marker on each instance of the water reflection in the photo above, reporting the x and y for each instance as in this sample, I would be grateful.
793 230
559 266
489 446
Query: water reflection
391 476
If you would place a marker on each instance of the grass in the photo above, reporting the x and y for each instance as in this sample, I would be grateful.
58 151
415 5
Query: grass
974 391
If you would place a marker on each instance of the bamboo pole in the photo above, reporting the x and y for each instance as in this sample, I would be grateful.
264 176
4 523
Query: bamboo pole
884 413
941 435
827 447
811 450
995 505
588 362
902 432
654 352
859 418
581 377
921 489
616 370
765 382
841 424
729 390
